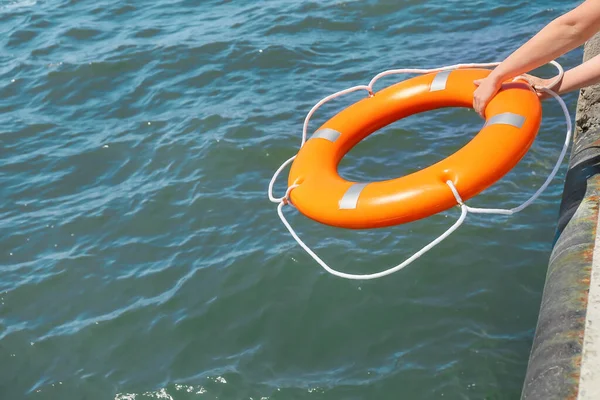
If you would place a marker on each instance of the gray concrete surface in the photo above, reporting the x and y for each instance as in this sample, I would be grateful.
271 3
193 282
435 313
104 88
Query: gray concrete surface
565 357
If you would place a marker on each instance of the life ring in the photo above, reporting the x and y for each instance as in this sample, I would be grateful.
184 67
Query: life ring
513 118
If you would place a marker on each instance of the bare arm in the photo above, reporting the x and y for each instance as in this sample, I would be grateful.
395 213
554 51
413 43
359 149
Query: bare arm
581 76
558 37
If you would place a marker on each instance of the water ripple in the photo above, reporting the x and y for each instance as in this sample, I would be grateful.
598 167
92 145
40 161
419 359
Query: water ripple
141 258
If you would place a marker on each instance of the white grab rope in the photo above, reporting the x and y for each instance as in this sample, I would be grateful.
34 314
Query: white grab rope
464 208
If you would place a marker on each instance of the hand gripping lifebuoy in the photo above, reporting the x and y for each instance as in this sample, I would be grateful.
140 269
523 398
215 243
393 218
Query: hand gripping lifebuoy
513 119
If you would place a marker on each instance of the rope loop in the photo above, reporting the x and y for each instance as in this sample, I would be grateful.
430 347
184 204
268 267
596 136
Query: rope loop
551 85
459 199
286 198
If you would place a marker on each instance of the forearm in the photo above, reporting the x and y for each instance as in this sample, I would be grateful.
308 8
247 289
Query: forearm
555 39
583 75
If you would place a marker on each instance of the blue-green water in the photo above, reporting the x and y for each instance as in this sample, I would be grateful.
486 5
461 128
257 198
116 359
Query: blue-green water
140 257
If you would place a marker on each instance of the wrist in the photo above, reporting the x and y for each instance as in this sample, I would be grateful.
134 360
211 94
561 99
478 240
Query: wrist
495 79
548 82
553 85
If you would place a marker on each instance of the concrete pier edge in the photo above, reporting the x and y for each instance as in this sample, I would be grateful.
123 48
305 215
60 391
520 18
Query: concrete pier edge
565 357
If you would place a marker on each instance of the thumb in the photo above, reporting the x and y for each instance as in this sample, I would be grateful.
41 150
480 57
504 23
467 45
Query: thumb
477 82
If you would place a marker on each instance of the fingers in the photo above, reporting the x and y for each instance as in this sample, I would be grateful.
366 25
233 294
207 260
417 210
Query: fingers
480 108
485 91
479 102
543 95
476 106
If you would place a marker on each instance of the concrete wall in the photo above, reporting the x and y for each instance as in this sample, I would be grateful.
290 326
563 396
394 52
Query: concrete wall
565 356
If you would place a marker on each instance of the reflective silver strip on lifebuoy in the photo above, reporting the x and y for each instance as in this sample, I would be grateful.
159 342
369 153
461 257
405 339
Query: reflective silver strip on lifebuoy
439 81
350 198
508 118
326 133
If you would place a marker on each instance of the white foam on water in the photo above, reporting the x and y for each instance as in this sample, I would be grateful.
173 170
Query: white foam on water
15 4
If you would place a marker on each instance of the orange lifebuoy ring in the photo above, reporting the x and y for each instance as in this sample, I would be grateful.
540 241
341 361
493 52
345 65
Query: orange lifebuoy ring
513 119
